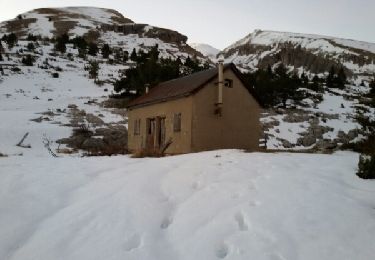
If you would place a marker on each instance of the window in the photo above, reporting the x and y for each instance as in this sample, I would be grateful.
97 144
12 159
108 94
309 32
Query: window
177 122
228 83
137 126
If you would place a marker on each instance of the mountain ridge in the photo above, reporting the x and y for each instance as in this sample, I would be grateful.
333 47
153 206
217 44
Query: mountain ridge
315 54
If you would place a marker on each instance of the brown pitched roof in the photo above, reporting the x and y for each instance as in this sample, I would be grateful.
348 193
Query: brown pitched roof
183 87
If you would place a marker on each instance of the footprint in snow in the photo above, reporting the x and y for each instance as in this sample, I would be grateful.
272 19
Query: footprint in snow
241 221
222 251
274 256
197 185
133 242
252 186
254 203
167 221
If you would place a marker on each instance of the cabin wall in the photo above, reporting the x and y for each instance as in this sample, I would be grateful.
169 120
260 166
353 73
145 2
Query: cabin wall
239 125
181 140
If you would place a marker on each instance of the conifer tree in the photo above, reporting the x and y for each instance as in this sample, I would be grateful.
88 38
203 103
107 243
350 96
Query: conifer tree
93 69
10 40
341 78
1 51
106 51
93 49
372 86
330 78
61 42
133 55
28 60
125 57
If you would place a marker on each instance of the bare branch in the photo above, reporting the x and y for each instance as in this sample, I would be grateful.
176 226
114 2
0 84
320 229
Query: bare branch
20 143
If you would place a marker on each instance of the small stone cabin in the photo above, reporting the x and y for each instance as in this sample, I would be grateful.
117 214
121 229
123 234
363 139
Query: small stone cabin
208 110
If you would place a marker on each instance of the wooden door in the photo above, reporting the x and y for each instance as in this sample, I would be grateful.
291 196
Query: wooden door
151 127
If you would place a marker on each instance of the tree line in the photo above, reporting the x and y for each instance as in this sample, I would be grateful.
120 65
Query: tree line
276 86
149 69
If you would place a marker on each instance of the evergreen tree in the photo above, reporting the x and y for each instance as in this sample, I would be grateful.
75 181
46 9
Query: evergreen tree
82 52
315 84
28 60
30 46
32 38
61 41
106 51
125 58
93 69
119 55
79 42
372 86
133 55
330 78
341 79
150 69
10 40
1 51
304 79
93 49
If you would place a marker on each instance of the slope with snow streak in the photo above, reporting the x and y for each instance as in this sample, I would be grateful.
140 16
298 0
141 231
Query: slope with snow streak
212 205
206 50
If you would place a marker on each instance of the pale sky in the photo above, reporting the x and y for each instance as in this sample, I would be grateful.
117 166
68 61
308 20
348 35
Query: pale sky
222 22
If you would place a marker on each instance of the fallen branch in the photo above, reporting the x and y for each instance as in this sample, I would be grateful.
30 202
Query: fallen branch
47 144
165 146
20 143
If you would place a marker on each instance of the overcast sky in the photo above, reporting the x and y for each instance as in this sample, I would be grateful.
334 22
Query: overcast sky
222 22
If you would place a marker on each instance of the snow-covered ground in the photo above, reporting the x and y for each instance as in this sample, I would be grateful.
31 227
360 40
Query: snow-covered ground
212 205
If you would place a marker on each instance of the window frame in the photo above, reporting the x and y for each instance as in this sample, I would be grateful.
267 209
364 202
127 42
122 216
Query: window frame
177 122
137 127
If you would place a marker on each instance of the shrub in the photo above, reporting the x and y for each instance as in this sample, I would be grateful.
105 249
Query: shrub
93 49
28 60
15 69
366 167
32 38
10 39
55 75
83 130
61 42
30 46
93 69
106 51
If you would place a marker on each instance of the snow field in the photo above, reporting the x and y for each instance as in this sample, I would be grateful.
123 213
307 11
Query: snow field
213 205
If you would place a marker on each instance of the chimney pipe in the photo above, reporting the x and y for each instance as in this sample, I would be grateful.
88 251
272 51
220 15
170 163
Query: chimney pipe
220 83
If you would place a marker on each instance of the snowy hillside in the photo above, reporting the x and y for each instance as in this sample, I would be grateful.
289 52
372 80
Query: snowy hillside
312 53
101 25
76 20
206 50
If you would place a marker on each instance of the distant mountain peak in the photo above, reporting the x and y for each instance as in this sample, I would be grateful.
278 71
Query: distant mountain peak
206 49
313 53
